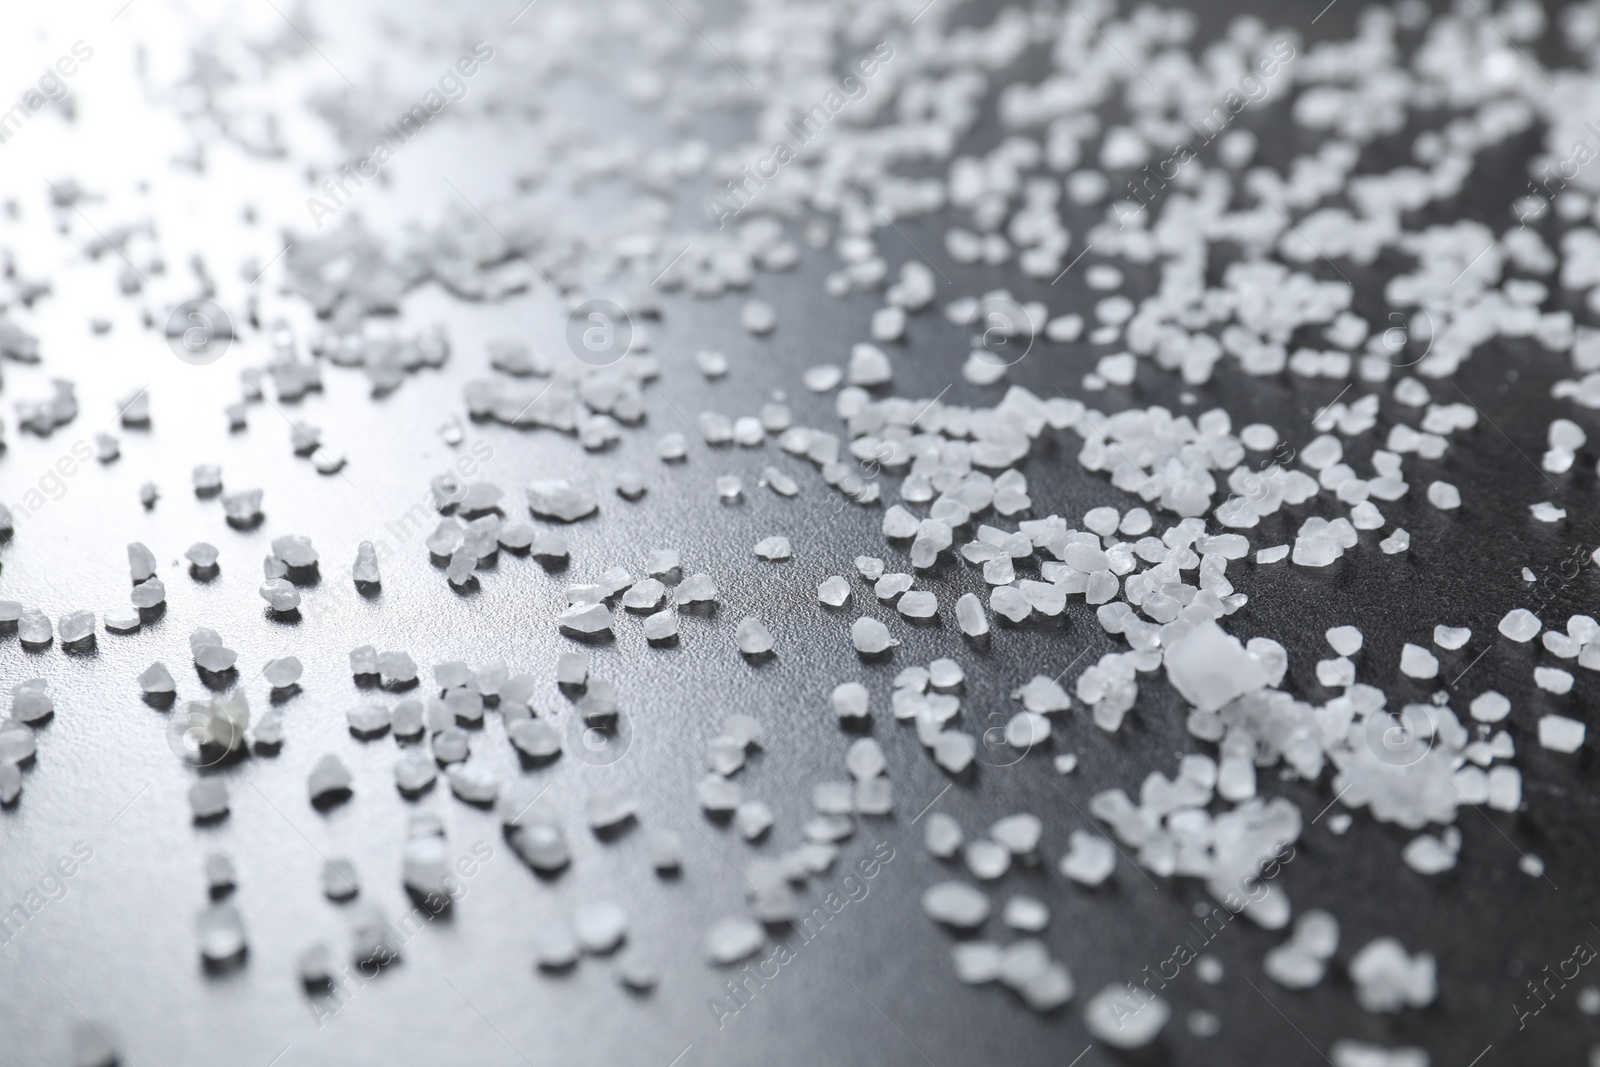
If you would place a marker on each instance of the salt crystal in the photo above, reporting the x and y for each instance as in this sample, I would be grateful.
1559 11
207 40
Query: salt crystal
295 551
328 779
219 872
280 595
1027 729
414 772
865 759
1490 706
955 904
734 938
970 616
10 784
1346 640
149 594
729 487
76 626
697 589
29 701
208 799
339 879
1418 662
1211 668
141 562
870 636
637 971
365 568
600 925
555 946
833 591
396 669
17 743
585 619
1444 496
666 850
954 751
918 604
850 700
1019 833
1399 541
1561 734
753 818
1122 1020
753 636
1090 860
773 548
1520 625
758 317
368 720
977 962
557 498
221 932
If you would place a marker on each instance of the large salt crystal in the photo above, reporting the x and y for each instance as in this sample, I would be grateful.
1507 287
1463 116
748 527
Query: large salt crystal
557 498
970 616
954 751
141 562
17 744
1418 662
280 595
295 551
696 589
1126 1018
76 626
414 772
918 604
365 568
850 701
600 925
221 932
1561 734
1211 668
328 779
585 619
1007 600
1388 979
773 548
208 799
1520 625
396 669
870 636
476 783
734 938
955 904
1089 860
833 591
30 703
753 636
282 673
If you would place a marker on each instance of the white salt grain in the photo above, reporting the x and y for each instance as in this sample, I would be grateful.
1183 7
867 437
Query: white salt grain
870 636
1561 734
1520 625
